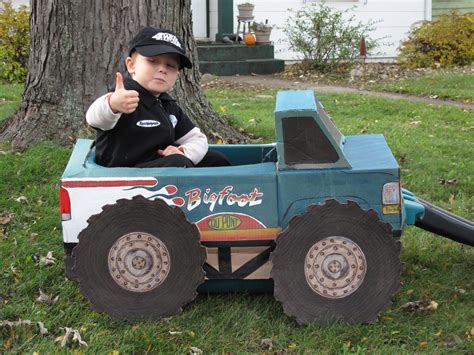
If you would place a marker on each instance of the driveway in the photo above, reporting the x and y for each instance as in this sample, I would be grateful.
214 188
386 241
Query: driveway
270 81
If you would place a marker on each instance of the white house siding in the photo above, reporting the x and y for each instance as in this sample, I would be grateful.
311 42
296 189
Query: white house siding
396 18
212 18
18 3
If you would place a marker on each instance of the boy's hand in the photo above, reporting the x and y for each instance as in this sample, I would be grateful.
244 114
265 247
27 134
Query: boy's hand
122 100
169 150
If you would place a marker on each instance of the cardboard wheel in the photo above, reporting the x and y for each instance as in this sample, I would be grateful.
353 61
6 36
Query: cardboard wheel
139 259
336 262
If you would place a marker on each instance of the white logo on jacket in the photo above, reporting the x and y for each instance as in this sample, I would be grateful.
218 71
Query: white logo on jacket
148 123
173 119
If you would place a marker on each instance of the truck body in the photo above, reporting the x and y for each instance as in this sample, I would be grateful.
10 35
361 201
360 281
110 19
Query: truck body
240 211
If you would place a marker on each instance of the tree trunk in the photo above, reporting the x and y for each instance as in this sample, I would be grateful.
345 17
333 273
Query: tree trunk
76 49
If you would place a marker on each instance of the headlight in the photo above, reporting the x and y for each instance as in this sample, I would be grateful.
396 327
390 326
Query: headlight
391 198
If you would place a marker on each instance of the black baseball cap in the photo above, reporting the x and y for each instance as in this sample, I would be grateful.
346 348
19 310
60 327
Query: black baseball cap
155 41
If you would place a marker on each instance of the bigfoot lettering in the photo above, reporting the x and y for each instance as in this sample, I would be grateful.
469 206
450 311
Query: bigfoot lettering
195 197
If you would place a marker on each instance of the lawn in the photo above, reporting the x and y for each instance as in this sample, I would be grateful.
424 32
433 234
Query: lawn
434 147
10 96
442 84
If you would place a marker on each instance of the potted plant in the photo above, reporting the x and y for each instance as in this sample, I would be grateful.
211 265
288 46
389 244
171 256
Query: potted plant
262 31
245 9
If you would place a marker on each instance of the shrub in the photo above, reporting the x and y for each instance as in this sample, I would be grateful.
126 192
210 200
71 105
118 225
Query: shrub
447 42
14 42
327 37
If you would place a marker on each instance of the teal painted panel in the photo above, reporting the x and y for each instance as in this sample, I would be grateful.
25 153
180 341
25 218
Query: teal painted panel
301 100
369 152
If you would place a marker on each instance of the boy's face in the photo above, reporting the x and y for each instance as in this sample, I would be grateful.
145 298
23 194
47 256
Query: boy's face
157 74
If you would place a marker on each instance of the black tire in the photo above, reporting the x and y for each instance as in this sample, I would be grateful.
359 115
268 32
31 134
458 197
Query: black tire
335 263
139 259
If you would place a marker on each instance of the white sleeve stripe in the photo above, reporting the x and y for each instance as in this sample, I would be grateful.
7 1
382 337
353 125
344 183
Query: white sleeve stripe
100 115
195 145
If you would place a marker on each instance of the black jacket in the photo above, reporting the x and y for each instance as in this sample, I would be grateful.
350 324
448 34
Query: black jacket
156 123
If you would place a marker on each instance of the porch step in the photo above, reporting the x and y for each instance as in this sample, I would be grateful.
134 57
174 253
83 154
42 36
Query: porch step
242 67
224 52
230 59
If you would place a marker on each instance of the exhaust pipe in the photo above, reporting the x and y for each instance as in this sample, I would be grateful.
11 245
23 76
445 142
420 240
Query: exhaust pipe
446 224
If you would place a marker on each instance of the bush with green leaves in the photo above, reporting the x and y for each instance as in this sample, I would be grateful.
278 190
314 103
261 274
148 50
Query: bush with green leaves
327 37
447 42
14 42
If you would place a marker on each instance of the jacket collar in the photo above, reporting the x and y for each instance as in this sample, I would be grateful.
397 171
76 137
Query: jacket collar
145 96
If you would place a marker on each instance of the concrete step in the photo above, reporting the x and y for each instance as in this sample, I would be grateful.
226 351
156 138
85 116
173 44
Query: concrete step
242 67
230 52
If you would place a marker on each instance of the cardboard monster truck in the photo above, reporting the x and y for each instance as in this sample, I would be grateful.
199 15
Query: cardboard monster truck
315 218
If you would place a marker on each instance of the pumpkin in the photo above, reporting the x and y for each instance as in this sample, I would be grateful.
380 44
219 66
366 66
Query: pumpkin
249 39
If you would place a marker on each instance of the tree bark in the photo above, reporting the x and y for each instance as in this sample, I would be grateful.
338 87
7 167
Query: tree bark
76 47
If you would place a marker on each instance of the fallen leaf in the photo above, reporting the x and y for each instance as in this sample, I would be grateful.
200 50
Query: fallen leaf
3 234
47 299
222 109
410 291
21 199
24 323
421 305
7 345
72 335
451 199
5 218
14 269
195 350
438 333
472 331
450 344
266 344
48 260
448 181
424 344
77 338
43 330
292 346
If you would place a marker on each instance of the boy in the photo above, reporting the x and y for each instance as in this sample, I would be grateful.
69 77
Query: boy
139 124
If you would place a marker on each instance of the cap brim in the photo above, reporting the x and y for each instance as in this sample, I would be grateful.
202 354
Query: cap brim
151 51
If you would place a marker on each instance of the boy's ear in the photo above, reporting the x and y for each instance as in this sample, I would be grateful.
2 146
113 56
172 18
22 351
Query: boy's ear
130 65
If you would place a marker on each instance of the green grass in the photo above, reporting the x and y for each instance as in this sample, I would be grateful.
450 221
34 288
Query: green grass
431 143
10 96
447 85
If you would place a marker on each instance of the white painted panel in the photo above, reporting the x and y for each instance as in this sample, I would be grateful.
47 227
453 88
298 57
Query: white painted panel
199 13
213 29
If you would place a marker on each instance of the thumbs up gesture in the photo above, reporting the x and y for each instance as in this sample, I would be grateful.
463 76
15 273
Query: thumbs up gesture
122 100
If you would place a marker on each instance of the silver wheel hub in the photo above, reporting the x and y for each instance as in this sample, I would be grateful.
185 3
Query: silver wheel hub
335 267
139 262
